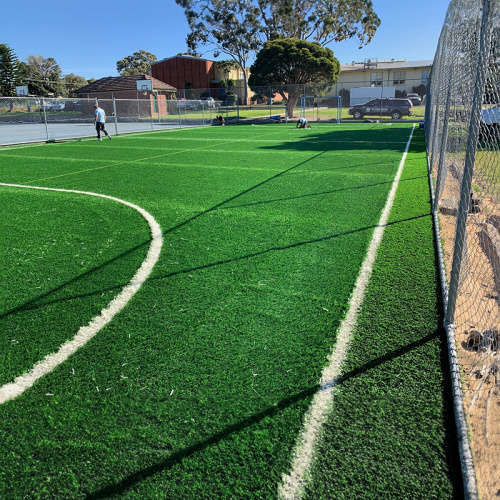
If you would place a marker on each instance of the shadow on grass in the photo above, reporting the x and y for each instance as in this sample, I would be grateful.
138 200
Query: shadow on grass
26 305
177 457
35 303
372 138
312 142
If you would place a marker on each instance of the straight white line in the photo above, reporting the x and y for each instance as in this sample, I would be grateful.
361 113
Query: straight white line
85 333
292 486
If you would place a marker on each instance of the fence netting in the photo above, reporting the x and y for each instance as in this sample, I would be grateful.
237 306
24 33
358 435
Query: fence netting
39 118
462 125
36 119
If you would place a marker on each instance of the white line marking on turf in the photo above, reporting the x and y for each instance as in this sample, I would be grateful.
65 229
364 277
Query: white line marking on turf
85 333
292 486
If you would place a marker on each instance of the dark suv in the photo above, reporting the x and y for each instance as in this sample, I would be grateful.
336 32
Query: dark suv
395 108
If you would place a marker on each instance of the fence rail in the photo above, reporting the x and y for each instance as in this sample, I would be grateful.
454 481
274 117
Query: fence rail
462 125
32 119
49 118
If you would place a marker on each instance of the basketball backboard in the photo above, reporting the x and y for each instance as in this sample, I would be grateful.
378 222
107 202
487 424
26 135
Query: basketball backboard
144 86
21 91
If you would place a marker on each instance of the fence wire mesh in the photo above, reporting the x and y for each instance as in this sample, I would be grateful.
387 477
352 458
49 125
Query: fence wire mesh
462 125
36 119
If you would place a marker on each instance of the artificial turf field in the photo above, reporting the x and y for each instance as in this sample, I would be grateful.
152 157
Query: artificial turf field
199 386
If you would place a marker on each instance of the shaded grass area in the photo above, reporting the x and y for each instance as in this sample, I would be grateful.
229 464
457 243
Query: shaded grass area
199 387
391 432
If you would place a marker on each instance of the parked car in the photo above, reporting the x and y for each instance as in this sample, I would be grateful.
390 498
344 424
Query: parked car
387 106
207 102
415 99
53 106
490 122
187 104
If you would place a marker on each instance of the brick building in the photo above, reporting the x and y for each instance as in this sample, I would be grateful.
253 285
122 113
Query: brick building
125 87
178 70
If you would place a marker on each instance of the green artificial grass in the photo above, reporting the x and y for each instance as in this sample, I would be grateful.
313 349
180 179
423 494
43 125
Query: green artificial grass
390 434
199 387
61 252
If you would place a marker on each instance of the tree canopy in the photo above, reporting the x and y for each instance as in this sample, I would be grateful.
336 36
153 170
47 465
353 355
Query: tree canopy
323 21
291 61
10 72
42 75
136 64
238 28
73 82
230 26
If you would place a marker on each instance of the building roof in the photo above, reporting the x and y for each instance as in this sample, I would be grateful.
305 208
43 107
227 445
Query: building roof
386 64
121 83
182 56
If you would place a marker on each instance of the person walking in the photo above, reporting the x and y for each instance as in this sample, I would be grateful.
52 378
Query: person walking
99 121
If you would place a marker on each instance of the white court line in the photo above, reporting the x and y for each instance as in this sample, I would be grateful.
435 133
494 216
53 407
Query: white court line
292 486
85 333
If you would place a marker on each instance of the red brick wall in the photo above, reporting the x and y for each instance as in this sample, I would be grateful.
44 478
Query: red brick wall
179 70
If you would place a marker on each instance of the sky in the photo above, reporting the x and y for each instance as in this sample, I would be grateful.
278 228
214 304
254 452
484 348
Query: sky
88 38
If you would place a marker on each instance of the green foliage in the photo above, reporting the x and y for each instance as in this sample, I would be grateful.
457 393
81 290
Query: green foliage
229 25
227 83
73 82
421 89
226 66
136 64
43 76
10 72
290 61
324 21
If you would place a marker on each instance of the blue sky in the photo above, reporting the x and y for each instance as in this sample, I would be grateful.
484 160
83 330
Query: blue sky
88 38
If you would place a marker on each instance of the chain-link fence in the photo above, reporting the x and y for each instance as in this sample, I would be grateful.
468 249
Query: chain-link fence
32 119
326 102
27 119
463 141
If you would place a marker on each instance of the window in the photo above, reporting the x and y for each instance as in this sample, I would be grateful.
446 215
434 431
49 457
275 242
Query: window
376 79
425 75
399 77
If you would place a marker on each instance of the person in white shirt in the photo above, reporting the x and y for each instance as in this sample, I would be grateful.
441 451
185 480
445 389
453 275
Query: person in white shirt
301 123
99 120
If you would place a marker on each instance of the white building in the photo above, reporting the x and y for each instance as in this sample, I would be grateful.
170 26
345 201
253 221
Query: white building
401 74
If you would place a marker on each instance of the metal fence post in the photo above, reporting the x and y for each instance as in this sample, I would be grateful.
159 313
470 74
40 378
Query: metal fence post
441 172
45 119
116 118
470 157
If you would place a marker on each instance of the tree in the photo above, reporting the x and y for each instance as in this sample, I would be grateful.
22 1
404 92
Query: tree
289 62
10 73
136 64
323 21
225 68
237 27
43 76
229 25
73 82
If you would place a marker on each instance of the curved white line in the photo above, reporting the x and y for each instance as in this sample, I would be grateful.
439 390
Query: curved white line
85 333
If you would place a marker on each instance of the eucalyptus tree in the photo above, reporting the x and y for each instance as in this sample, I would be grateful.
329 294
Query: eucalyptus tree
43 75
136 64
230 26
322 21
